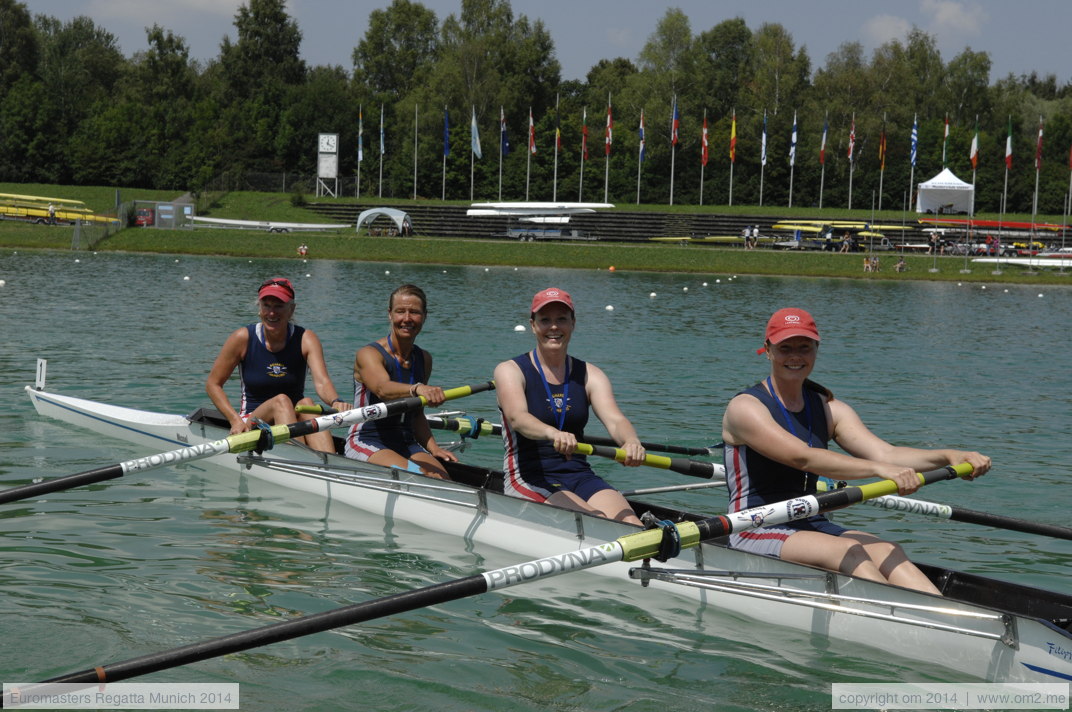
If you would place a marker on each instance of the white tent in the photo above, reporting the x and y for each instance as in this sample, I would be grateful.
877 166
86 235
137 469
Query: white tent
945 193
400 218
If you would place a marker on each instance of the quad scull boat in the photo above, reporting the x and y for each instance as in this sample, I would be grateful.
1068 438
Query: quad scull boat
982 628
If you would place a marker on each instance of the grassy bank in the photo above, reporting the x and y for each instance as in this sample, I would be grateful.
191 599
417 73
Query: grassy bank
658 258
345 245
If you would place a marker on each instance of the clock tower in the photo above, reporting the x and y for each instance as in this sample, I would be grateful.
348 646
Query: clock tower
327 165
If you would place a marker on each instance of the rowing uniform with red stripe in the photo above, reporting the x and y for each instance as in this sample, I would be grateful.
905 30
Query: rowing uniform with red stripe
755 480
265 374
393 433
534 469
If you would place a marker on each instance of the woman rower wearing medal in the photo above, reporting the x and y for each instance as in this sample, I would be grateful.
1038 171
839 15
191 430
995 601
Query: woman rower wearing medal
776 436
395 367
545 396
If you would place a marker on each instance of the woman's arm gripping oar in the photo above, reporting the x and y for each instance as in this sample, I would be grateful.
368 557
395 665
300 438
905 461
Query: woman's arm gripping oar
944 511
631 547
475 427
677 464
241 442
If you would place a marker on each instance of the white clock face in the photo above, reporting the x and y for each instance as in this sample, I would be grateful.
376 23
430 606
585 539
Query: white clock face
327 143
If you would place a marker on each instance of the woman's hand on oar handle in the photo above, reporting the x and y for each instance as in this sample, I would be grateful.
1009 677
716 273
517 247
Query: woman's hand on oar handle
905 478
634 453
433 394
564 443
979 462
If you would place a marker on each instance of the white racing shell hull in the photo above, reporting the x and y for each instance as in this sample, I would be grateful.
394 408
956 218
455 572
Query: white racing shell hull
984 642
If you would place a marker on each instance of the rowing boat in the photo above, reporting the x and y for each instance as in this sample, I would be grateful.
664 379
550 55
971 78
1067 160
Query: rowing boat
983 628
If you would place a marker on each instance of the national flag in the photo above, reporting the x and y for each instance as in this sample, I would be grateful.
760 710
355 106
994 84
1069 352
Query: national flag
945 139
915 140
381 130
584 135
642 142
1008 148
474 134
675 123
733 138
822 146
882 149
763 142
852 137
360 135
609 136
446 132
504 142
1038 148
532 134
793 142
973 154
703 141
558 127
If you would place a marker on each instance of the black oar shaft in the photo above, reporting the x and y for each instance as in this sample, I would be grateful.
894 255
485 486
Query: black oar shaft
80 479
1002 522
676 464
306 625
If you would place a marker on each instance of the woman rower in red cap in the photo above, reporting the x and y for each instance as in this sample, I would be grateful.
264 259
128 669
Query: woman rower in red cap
273 356
545 396
776 436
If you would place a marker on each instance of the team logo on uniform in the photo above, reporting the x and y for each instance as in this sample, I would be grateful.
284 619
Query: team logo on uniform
276 370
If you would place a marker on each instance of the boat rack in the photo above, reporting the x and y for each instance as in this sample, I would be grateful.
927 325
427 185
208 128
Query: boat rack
829 599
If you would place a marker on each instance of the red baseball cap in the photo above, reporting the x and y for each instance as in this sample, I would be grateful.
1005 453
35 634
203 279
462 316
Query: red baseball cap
279 288
549 296
786 323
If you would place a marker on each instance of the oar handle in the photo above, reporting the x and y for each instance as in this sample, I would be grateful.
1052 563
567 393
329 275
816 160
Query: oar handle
680 465
645 545
476 427
448 394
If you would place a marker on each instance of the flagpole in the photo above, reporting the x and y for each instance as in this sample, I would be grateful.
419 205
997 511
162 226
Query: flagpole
703 154
446 149
528 157
502 119
673 152
763 158
360 147
792 157
914 149
414 150
608 139
584 150
882 161
554 183
822 160
640 161
852 156
381 151
1038 169
733 150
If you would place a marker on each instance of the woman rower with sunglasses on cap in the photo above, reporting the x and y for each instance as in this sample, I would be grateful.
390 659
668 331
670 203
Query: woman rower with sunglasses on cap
776 436
545 396
273 357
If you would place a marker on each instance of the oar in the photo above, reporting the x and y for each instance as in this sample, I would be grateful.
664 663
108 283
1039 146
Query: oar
475 427
631 547
674 488
240 442
958 514
676 464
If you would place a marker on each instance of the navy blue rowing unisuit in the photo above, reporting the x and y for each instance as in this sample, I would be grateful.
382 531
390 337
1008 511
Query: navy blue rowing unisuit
265 374
754 479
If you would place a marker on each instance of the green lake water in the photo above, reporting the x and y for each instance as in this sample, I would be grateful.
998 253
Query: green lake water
154 561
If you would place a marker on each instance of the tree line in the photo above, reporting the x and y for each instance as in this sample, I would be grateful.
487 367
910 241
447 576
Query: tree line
74 110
